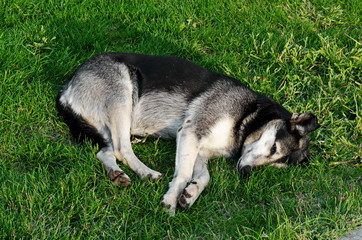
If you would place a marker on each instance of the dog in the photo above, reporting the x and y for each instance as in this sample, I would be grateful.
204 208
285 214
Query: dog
115 95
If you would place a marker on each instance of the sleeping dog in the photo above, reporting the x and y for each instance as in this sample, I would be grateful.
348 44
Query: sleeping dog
115 95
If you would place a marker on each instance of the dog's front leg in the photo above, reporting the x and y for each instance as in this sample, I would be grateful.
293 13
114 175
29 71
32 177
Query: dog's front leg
186 154
200 179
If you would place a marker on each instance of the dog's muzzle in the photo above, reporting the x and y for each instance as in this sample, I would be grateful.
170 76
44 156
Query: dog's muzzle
244 171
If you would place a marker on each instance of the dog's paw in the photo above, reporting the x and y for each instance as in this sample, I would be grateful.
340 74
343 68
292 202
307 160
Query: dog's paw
171 210
155 175
119 178
184 199
151 174
169 204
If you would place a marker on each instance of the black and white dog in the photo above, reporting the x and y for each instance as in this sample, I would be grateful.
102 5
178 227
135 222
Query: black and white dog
115 95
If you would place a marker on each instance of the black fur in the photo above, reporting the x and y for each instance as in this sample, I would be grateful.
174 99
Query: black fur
177 73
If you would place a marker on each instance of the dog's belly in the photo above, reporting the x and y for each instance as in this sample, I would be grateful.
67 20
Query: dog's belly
158 114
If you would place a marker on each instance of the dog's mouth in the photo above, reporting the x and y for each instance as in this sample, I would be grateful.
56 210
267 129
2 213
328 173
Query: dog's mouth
245 170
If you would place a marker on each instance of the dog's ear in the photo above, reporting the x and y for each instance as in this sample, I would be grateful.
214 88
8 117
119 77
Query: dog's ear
303 123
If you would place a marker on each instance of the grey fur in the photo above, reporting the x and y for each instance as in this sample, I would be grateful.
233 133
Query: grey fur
158 114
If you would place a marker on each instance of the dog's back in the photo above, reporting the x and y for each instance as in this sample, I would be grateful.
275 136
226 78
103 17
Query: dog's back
160 88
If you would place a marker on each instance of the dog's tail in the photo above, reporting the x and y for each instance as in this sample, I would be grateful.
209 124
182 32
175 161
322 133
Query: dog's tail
79 128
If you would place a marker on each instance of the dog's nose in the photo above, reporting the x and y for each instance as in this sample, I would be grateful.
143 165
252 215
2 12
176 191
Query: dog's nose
244 171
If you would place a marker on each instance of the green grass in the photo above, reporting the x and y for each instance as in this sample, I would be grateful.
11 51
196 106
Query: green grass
306 54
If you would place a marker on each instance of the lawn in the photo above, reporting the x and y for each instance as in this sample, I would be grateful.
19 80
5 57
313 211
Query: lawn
305 54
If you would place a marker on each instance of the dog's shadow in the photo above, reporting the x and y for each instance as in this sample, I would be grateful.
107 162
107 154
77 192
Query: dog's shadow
76 40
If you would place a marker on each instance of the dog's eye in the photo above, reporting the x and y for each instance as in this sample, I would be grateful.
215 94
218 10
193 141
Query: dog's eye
273 150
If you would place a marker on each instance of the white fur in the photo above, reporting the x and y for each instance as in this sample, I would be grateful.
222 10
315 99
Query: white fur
218 142
257 153
191 157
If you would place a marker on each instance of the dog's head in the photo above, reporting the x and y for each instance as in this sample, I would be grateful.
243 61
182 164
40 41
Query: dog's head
280 143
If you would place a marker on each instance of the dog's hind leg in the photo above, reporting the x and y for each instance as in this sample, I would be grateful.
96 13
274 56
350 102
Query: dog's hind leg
120 128
200 179
88 124
114 172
